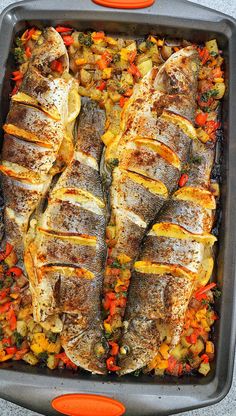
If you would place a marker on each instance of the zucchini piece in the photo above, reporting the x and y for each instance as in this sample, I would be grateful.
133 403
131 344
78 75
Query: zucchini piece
212 47
145 67
21 327
126 78
179 352
30 358
52 361
219 89
198 347
85 77
204 368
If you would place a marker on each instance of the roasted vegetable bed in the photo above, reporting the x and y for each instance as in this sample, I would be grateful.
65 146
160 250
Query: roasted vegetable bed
107 69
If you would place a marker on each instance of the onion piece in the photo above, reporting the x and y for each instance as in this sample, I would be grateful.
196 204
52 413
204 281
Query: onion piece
172 42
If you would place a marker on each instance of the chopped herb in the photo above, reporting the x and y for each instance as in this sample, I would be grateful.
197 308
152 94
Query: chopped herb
217 293
18 42
189 358
43 357
19 53
18 339
213 53
113 163
136 373
1 333
196 159
1 284
205 302
208 94
116 264
116 57
85 40
206 109
149 43
52 336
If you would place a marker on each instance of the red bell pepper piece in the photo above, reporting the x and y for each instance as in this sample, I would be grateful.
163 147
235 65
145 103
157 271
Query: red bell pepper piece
114 348
132 56
4 293
201 119
172 362
69 364
5 307
5 254
28 52
183 180
200 292
11 317
122 101
101 86
14 270
112 309
68 40
63 29
6 342
205 358
111 366
204 55
11 350
133 70
20 353
106 58
30 34
17 75
98 35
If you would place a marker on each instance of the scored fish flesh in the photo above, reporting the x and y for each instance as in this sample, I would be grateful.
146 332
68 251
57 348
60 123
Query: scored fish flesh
66 250
153 147
157 132
176 259
38 123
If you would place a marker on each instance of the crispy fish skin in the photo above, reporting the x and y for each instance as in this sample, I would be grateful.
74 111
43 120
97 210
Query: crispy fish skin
32 137
157 299
152 147
66 253
157 132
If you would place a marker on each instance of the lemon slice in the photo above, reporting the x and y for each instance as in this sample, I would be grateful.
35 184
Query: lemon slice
170 230
74 105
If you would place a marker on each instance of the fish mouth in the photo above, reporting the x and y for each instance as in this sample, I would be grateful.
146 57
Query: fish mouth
87 349
141 343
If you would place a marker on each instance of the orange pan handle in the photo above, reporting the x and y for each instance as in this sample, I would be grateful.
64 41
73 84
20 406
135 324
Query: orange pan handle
87 405
125 4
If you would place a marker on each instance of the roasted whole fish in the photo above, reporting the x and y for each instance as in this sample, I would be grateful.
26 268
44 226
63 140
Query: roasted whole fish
66 251
157 133
38 125
153 147
176 259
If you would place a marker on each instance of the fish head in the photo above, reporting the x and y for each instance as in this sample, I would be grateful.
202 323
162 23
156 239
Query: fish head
139 343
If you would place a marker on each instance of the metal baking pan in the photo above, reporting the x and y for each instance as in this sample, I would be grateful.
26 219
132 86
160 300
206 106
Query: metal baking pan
34 388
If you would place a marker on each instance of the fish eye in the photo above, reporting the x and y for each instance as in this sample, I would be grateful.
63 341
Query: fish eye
124 350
